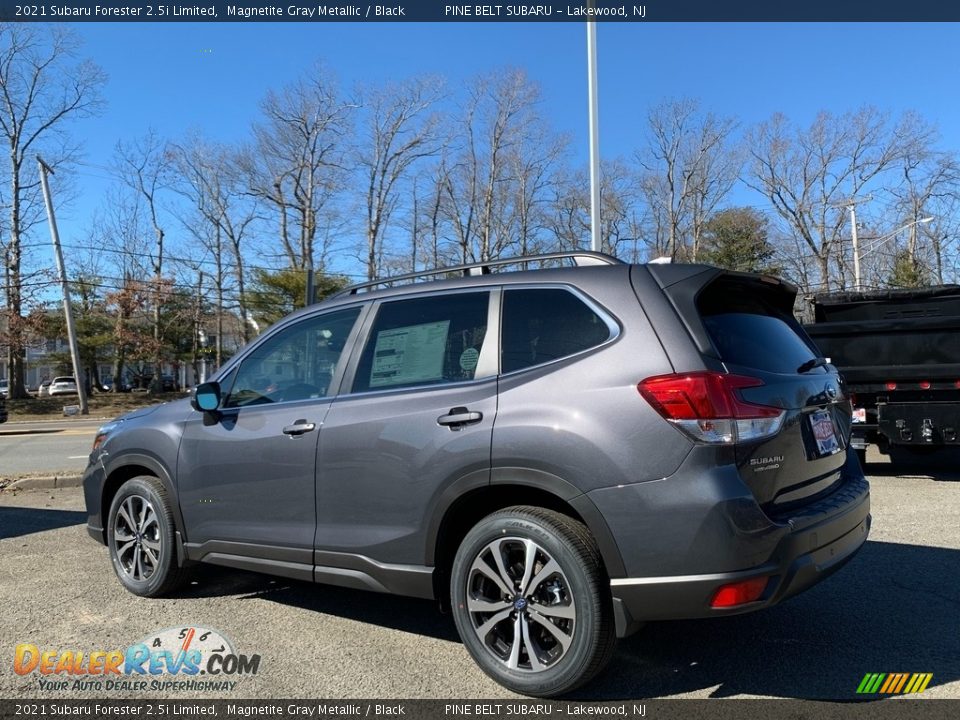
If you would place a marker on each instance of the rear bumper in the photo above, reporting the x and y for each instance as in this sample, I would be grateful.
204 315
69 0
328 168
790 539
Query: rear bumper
816 543
920 423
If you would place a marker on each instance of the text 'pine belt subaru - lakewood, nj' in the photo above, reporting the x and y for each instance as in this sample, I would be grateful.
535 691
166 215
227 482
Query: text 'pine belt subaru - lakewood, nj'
557 455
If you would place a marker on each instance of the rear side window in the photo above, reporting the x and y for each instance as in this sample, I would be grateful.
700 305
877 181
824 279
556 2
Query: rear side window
749 329
424 341
544 324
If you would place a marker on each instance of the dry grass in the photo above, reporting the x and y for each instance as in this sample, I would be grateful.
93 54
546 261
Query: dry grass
106 405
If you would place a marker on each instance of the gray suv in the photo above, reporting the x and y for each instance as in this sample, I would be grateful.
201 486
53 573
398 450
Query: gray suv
556 455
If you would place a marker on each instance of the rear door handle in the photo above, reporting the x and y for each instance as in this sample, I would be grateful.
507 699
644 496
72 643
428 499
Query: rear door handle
299 428
458 417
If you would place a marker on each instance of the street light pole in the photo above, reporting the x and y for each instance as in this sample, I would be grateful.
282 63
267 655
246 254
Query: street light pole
594 136
875 241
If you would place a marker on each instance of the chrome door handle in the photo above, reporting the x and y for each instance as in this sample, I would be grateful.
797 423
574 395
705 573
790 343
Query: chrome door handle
459 416
299 428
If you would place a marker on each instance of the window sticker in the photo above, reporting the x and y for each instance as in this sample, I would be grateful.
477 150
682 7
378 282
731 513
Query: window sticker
407 355
469 359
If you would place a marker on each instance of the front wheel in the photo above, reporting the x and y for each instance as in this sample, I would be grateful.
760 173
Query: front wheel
531 601
141 537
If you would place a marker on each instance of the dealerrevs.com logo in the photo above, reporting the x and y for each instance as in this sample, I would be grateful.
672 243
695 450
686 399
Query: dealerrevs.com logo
186 658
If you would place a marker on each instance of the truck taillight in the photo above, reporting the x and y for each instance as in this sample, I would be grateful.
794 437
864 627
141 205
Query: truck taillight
891 386
924 384
707 406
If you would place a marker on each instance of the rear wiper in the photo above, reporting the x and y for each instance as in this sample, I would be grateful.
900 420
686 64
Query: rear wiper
813 363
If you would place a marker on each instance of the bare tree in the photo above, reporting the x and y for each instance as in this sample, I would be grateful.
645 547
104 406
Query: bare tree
222 219
145 166
430 218
499 121
121 234
690 165
42 86
807 173
930 188
402 129
533 165
299 160
621 225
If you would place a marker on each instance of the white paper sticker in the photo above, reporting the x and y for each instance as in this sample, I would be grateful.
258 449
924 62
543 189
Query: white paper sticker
409 354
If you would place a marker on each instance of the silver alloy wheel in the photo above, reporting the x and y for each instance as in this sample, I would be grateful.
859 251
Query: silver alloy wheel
520 604
136 538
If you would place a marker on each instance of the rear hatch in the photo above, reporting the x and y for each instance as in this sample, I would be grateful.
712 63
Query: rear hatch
743 325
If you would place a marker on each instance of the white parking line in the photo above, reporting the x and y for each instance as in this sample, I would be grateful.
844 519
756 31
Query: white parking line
77 457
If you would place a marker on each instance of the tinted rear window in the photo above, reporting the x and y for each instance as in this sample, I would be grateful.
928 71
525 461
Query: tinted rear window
540 325
750 330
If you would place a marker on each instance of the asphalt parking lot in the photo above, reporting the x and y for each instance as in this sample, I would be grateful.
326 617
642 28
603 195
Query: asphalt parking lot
895 608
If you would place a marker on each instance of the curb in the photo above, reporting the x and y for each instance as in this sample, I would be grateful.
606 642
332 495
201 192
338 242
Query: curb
46 483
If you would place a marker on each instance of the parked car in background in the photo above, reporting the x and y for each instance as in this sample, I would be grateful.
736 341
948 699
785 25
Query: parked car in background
63 386
168 383
556 455
106 384
3 409
44 389
4 388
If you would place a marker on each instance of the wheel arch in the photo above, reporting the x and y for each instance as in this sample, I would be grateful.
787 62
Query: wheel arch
127 467
509 487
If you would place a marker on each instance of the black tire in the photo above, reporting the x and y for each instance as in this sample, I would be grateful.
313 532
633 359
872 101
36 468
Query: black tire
142 540
573 596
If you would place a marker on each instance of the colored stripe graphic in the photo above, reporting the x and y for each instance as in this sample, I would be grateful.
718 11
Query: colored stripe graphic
903 680
892 679
922 684
894 683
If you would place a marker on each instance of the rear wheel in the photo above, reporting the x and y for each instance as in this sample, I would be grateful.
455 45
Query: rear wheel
141 537
531 601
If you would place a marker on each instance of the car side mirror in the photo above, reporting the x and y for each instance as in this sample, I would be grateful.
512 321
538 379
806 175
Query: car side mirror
206 397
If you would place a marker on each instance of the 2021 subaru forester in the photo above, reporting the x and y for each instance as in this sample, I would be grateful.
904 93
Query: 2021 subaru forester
559 454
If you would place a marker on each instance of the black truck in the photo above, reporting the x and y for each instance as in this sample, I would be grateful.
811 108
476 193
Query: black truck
899 353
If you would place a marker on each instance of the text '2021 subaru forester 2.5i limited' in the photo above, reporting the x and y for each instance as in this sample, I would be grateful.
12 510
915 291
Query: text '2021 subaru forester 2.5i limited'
558 455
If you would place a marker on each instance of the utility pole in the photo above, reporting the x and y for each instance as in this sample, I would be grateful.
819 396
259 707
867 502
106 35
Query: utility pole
594 127
856 246
308 293
197 329
851 205
67 309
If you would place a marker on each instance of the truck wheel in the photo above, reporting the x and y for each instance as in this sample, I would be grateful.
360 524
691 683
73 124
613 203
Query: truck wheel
531 601
142 540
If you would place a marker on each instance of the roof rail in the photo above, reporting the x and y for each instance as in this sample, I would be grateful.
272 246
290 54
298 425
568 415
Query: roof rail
580 257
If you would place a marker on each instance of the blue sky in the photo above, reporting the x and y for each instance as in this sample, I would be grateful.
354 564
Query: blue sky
211 76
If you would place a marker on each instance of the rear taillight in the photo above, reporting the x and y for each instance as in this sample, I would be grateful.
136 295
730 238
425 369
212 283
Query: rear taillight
891 386
707 406
924 384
